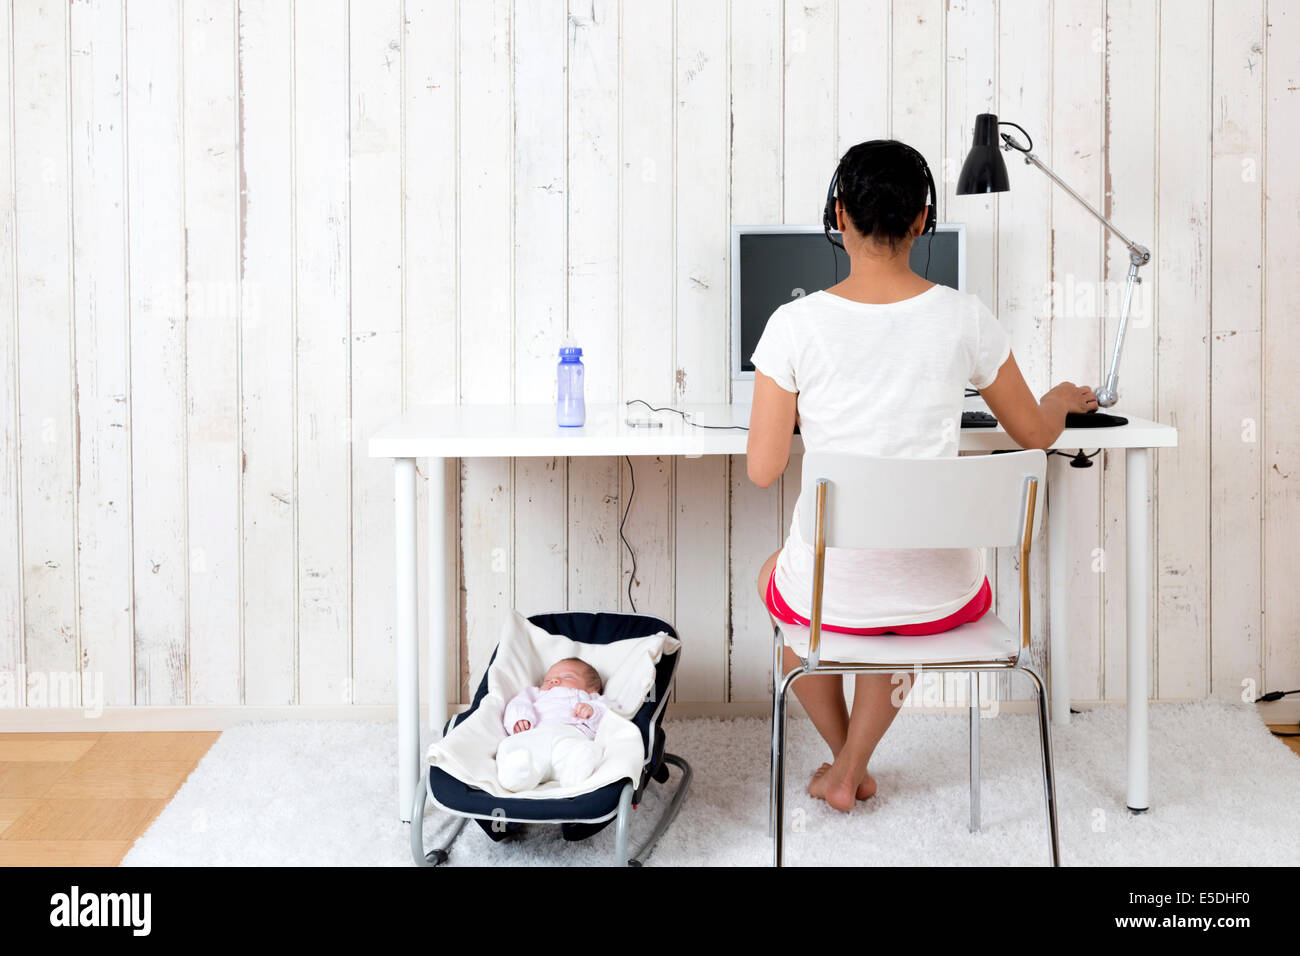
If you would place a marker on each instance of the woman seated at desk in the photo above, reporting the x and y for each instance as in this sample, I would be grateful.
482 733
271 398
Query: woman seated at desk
877 365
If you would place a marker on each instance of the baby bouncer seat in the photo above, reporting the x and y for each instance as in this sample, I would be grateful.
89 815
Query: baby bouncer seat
637 656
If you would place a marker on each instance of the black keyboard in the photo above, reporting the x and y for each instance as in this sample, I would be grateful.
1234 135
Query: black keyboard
978 420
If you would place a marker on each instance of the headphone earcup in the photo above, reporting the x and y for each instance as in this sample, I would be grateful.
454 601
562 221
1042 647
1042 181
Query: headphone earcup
828 212
932 214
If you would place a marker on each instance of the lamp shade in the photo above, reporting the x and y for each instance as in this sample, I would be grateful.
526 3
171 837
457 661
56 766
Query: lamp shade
984 171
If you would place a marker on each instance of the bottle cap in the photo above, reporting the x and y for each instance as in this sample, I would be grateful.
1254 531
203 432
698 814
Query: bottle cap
569 348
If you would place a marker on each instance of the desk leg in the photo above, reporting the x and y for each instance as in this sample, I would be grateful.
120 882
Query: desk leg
1138 597
439 562
407 637
1058 594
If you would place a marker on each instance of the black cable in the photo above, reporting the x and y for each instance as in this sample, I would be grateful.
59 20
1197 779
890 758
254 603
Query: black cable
1277 695
640 401
1078 454
1011 142
632 493
632 475
1274 695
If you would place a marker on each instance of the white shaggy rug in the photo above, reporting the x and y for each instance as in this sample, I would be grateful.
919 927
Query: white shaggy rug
1223 793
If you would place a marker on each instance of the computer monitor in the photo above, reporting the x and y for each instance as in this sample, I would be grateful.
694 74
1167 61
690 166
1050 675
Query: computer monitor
770 265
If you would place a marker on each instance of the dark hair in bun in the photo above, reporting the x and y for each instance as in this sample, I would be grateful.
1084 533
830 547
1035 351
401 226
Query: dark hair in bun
883 189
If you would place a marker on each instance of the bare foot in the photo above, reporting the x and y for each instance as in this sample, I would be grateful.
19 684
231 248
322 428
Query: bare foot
841 788
817 785
867 788
837 789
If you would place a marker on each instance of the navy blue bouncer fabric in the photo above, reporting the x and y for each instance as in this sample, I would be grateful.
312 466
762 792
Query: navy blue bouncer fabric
576 812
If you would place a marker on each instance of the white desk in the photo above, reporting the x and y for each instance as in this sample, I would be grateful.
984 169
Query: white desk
472 431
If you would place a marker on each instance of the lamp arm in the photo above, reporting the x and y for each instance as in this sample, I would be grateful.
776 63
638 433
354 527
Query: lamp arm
1107 394
1134 249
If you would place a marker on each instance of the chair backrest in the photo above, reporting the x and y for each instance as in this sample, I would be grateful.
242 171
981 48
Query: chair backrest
965 502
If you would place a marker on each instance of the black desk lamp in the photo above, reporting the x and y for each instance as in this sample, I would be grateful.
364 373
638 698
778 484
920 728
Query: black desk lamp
985 172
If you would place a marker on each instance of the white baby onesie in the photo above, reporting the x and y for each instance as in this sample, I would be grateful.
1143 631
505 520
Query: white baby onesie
557 746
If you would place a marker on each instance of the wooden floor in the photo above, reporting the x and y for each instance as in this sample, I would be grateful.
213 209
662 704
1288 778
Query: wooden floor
83 799
1292 742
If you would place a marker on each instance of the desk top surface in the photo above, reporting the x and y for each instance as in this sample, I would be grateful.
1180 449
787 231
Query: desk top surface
520 431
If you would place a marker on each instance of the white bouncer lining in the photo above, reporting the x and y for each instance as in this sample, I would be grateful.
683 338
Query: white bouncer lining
468 752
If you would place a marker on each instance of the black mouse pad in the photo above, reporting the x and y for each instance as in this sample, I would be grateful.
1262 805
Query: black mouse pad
1093 420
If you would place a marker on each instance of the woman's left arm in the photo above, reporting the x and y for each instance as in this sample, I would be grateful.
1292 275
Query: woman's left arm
771 426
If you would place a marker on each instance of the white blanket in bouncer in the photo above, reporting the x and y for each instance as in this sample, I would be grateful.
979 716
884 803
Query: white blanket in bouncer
524 654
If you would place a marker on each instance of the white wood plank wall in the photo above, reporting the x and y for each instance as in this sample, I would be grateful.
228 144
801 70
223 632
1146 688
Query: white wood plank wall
239 235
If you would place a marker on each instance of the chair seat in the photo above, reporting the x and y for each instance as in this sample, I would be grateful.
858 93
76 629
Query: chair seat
983 641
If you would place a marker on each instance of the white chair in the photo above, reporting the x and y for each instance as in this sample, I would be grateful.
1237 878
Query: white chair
871 502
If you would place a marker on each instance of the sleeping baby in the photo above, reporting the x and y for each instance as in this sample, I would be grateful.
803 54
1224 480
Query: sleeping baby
551 729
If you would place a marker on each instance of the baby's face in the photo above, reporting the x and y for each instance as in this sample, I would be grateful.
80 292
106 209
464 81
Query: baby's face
564 674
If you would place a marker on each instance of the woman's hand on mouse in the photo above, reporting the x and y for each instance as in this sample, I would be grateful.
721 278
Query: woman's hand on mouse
1076 398
521 726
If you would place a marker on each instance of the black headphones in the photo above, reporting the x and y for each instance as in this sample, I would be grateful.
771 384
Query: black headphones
931 216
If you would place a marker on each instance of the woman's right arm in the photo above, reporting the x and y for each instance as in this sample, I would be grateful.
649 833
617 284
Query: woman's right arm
1030 423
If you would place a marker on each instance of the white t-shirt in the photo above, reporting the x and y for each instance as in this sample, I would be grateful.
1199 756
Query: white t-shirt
884 380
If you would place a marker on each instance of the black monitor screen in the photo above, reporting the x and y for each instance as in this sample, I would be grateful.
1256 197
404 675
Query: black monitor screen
776 267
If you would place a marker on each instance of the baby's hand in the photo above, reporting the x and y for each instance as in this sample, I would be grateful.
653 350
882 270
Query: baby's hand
583 710
521 726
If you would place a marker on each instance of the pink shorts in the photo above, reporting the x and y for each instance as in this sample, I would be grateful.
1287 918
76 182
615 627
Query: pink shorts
973 611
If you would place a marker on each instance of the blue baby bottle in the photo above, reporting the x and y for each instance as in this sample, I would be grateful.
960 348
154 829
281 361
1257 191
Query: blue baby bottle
570 408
